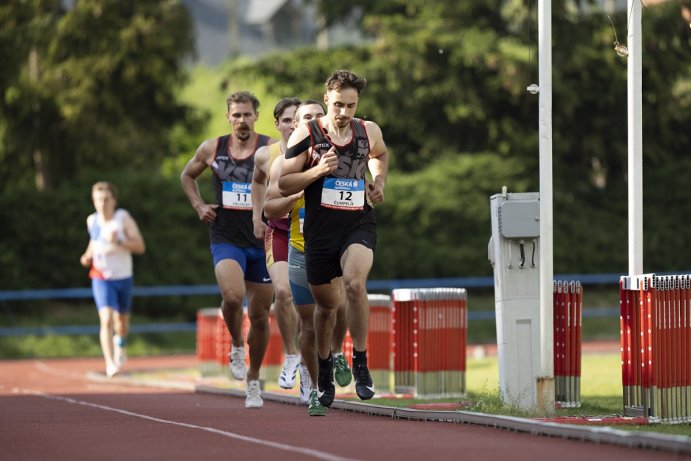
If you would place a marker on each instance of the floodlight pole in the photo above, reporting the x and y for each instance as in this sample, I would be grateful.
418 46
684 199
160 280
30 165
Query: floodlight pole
545 387
635 138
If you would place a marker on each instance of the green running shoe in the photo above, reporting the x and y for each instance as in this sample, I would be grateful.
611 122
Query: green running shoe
342 370
315 407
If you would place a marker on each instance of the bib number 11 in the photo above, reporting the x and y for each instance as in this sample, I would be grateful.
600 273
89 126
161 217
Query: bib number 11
237 195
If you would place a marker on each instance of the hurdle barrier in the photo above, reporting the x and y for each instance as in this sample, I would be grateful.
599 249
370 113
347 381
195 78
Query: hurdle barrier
656 346
404 319
567 308
430 335
379 342
206 340
213 344
379 347
415 345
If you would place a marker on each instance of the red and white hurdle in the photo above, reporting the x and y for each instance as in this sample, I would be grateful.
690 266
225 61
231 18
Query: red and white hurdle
379 342
568 307
656 346
213 344
430 335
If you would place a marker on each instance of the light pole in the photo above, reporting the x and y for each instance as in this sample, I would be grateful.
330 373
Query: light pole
545 389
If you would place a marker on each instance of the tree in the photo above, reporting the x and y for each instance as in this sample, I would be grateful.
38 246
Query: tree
92 86
448 79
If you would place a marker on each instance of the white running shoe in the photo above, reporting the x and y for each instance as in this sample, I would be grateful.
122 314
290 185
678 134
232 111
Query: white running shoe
120 356
305 385
254 395
290 370
238 368
112 370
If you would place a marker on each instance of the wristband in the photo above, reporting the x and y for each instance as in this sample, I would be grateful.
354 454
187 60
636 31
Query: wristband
299 148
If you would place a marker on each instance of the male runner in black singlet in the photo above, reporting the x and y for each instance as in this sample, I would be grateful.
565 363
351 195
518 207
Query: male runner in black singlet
239 260
328 158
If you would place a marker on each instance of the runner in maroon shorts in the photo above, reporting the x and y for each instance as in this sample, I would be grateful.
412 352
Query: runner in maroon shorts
276 244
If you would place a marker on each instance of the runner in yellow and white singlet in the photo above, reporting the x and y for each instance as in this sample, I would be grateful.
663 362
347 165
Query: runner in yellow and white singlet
275 236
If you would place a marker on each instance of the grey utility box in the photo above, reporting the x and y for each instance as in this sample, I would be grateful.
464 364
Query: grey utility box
514 254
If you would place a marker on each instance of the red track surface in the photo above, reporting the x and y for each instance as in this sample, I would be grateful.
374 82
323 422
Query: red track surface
49 410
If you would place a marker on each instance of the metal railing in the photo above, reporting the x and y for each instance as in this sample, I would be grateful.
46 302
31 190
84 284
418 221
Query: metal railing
373 286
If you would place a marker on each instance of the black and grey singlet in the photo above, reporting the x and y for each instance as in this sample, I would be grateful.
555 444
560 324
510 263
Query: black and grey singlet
232 186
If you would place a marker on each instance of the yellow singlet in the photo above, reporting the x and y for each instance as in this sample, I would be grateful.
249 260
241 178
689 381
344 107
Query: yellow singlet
297 240
274 153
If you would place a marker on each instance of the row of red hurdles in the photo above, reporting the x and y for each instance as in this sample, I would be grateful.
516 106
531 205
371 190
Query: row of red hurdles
656 346
416 342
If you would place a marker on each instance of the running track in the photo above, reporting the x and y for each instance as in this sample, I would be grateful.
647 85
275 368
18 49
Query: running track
50 410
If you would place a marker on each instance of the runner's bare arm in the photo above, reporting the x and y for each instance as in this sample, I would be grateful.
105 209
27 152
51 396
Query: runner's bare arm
188 178
378 163
134 242
258 195
87 257
293 179
276 205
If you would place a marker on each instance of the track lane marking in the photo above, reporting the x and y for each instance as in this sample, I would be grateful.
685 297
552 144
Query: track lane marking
281 446
52 370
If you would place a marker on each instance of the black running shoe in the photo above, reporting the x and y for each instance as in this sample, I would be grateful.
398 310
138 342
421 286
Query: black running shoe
326 391
363 381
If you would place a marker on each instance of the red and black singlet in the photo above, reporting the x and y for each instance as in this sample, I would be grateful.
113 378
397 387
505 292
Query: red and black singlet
336 204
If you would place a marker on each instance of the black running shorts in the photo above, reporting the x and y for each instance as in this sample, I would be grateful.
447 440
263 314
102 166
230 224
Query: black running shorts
324 264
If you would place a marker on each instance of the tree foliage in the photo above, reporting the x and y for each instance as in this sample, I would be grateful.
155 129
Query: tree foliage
446 82
435 222
92 86
448 79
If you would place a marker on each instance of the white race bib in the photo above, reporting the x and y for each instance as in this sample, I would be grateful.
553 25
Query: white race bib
343 194
237 195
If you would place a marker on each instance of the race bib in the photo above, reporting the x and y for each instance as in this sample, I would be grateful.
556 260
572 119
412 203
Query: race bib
237 195
343 194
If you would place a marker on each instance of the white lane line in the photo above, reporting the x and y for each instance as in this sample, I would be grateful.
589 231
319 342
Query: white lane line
281 446
52 370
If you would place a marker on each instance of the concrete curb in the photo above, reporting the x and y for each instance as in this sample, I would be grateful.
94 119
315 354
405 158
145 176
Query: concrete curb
647 440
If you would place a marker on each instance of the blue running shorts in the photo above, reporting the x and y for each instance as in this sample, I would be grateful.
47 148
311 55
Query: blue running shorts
116 294
252 260
297 275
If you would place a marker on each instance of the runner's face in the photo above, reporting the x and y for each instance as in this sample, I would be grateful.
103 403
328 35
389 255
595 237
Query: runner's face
306 113
284 124
241 116
341 105
104 202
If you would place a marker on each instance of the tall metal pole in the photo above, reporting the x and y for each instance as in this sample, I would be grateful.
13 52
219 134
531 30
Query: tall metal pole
545 388
635 138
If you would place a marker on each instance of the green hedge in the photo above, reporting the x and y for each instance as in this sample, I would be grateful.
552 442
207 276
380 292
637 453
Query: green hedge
43 235
434 223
